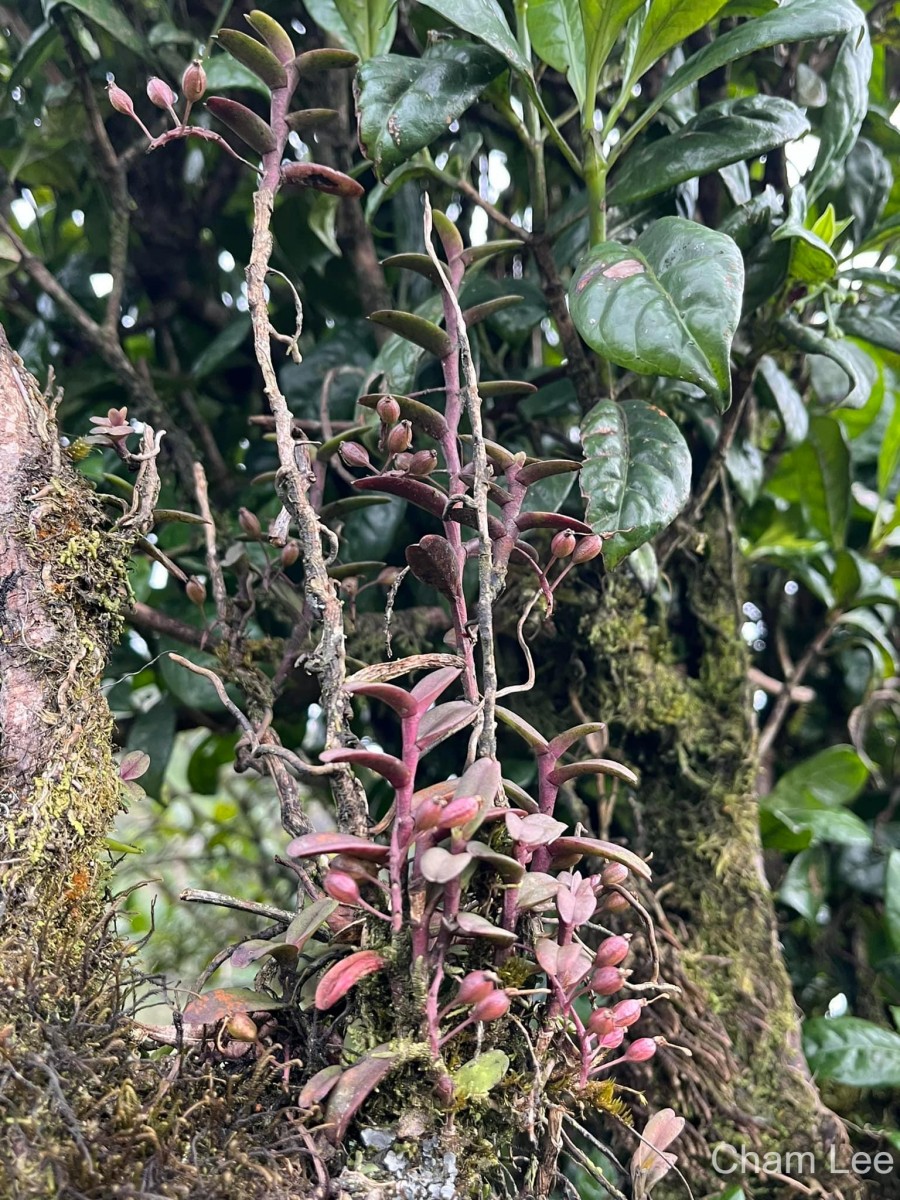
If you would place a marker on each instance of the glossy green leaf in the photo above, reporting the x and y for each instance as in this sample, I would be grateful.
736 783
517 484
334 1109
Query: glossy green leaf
667 23
254 56
668 304
637 473
728 132
603 21
889 454
851 1051
220 349
366 27
405 103
833 777
485 20
813 342
557 34
801 21
108 16
848 99
41 44
816 475
398 359
773 382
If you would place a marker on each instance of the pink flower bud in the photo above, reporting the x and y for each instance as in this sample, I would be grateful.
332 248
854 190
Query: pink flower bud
492 1007
611 952
613 873
563 544
341 887
193 82
475 987
589 547
606 981
428 815
400 438
613 1040
626 1012
601 1022
119 99
641 1050
355 455
195 591
402 462
290 552
388 410
160 93
614 902
458 811
249 522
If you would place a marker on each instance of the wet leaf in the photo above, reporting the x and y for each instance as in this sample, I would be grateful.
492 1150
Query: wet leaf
316 1089
244 122
415 329
668 304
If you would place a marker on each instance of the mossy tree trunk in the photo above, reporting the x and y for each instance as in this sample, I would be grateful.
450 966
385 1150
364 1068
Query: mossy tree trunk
671 682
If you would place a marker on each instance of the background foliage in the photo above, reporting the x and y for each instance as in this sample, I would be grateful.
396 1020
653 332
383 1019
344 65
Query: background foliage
774 128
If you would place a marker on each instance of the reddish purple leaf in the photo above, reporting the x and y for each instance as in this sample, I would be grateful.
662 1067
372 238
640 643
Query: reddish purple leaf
316 1089
440 866
434 684
537 829
312 844
354 1087
433 561
564 847
542 468
548 520
593 766
537 890
561 743
220 1003
474 925
392 769
427 497
133 765
532 736
342 976
443 721
388 693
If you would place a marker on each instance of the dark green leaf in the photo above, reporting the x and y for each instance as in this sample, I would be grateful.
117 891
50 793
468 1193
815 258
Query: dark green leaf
816 474
773 382
251 128
415 329
108 16
637 473
220 348
154 732
485 20
226 74
40 46
811 342
398 358
892 897
666 305
405 103
372 24
852 1051
254 56
728 132
848 99
833 777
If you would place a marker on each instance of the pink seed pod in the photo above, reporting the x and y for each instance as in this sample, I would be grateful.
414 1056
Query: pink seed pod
119 99
193 82
400 438
475 987
613 1040
422 462
614 902
626 1012
613 873
403 462
492 1007
589 547
290 552
388 410
355 455
195 591
601 1022
249 522
160 93
341 887
606 981
641 1050
428 815
563 543
611 952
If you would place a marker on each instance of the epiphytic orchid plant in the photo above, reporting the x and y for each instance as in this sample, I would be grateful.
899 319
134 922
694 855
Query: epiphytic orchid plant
459 921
